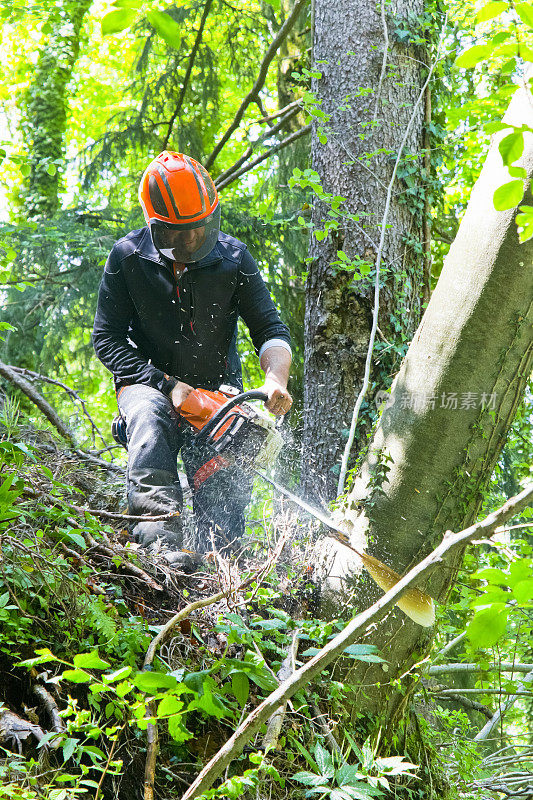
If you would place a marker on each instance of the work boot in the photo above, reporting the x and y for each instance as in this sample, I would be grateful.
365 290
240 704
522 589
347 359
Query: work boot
165 539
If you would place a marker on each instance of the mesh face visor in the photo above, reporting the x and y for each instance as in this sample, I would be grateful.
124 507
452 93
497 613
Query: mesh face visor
186 243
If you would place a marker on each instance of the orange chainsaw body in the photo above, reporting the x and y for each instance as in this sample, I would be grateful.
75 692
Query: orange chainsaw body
202 404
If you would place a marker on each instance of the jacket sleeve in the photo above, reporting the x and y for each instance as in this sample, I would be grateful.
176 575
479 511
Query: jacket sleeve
114 313
256 306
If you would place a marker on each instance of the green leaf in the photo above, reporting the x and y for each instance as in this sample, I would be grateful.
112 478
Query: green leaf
492 575
90 661
240 686
117 21
77 676
177 729
152 681
43 656
523 591
511 147
472 56
51 169
166 27
209 704
487 626
491 10
324 761
509 195
525 12
308 778
524 220
127 3
169 705
118 675
68 748
517 172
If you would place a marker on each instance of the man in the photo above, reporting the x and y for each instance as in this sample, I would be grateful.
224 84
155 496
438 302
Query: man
166 323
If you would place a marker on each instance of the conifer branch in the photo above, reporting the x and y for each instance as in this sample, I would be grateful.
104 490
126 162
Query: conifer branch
187 77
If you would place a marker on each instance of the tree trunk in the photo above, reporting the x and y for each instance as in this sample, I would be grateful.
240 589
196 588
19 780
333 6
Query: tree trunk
451 406
365 118
47 106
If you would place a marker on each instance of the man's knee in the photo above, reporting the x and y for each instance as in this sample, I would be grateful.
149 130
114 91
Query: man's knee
146 410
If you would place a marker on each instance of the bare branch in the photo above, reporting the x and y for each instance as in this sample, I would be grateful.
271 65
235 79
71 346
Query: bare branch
253 94
485 732
451 541
270 152
43 405
503 666
71 393
253 145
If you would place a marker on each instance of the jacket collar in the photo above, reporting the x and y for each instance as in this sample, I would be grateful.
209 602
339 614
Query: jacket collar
147 249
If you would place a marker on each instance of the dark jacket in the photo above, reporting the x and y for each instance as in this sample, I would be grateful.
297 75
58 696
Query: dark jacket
152 327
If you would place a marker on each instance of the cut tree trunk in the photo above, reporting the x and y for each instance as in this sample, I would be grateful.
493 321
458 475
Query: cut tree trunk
451 406
370 107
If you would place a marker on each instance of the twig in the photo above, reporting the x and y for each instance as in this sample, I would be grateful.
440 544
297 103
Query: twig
271 132
97 512
43 405
108 762
275 723
326 732
253 94
50 705
451 644
152 737
277 114
491 724
368 362
188 72
128 566
270 152
449 694
72 393
335 647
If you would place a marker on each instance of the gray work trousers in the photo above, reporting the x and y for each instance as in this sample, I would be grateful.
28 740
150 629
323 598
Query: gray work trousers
156 434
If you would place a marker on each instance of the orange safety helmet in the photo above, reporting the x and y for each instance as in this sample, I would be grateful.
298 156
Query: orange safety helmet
181 208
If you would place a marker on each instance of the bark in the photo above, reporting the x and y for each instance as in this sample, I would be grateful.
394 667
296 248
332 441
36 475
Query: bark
370 108
431 457
47 107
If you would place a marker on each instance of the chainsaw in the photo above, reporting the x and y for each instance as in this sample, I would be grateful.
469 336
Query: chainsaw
228 431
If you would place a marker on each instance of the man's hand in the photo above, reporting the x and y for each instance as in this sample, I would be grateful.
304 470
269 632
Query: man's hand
279 400
179 394
276 362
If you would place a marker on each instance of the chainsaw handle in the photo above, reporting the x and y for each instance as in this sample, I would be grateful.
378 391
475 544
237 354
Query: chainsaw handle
253 394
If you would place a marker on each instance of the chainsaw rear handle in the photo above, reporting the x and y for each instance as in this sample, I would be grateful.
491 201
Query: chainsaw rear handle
253 394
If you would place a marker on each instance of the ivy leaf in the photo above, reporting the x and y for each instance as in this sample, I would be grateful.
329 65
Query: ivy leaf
487 626
473 55
508 195
525 12
166 27
491 10
90 661
117 21
511 147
